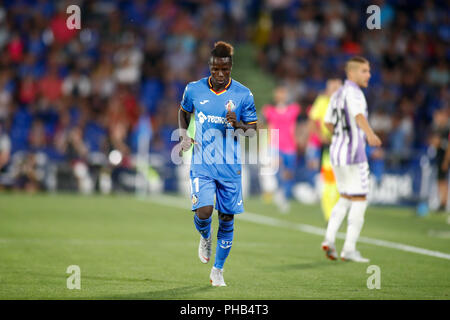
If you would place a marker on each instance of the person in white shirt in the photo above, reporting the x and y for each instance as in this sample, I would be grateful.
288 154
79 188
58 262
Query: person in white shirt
346 118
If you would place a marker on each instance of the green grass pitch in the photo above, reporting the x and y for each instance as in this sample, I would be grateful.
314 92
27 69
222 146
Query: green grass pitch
130 248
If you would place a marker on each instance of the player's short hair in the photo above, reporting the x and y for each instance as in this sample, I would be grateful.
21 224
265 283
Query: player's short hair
354 61
222 49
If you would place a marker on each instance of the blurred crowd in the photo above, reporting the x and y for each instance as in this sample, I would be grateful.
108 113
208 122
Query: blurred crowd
70 97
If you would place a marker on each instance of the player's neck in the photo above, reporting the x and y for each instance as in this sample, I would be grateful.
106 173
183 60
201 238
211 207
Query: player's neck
281 106
218 88
353 82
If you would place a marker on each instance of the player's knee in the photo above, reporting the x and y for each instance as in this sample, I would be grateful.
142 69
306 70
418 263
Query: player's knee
204 212
288 175
225 217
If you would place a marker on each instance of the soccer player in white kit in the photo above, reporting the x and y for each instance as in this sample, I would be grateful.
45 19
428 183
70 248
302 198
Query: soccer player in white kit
346 118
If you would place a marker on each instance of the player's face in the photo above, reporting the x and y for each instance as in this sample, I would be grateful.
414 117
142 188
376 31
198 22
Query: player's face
363 75
280 95
220 69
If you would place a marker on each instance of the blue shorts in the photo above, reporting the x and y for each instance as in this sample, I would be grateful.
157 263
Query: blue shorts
228 194
288 160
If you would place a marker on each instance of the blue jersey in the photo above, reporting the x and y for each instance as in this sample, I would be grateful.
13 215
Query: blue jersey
217 152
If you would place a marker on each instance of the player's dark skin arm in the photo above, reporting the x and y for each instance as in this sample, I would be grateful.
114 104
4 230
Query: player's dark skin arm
186 142
184 118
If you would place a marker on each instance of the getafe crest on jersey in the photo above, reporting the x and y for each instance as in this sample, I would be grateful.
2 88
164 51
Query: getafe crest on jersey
230 106
194 199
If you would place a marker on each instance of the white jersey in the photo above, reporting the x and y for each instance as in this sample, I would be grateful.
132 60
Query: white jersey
348 142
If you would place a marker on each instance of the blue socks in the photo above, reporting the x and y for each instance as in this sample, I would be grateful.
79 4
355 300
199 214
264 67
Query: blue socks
224 237
224 242
203 226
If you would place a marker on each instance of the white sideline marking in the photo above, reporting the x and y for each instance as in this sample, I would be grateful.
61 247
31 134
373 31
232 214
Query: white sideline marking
173 201
439 234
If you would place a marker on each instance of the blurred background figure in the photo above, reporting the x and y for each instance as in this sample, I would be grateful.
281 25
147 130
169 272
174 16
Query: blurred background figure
319 141
5 147
282 116
5 155
439 144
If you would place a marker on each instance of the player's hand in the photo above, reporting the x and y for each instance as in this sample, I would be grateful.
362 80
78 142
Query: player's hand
186 143
231 118
373 140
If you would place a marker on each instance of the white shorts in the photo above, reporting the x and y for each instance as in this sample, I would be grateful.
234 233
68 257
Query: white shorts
352 179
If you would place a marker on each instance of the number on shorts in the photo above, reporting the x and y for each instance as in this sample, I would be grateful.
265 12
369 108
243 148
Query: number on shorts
195 186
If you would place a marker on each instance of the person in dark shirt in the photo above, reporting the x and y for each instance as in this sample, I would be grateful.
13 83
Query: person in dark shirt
439 140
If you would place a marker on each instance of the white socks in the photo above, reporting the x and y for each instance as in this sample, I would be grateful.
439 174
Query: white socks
355 224
337 216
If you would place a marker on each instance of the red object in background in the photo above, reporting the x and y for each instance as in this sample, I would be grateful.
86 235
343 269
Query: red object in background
351 48
60 31
28 91
51 87
15 50
131 107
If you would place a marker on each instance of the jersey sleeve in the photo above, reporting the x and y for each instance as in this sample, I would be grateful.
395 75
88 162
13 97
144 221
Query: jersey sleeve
248 111
187 102
355 102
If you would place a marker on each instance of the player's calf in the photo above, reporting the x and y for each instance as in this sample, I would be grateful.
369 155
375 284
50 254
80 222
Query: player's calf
203 226
224 238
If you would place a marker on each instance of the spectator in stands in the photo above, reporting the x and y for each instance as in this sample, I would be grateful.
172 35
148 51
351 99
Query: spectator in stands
5 147
440 142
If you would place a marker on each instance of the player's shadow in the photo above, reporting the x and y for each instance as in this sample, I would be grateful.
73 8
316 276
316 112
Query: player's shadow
301 266
101 278
185 292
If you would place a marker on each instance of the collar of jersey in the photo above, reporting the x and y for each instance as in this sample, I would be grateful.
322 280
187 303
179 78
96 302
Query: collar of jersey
220 92
352 83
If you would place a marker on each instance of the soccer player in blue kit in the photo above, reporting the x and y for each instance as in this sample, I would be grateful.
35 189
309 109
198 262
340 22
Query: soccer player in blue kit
223 108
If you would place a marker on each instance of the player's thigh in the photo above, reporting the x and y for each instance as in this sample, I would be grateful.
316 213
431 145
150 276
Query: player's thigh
358 178
229 197
203 191
341 176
